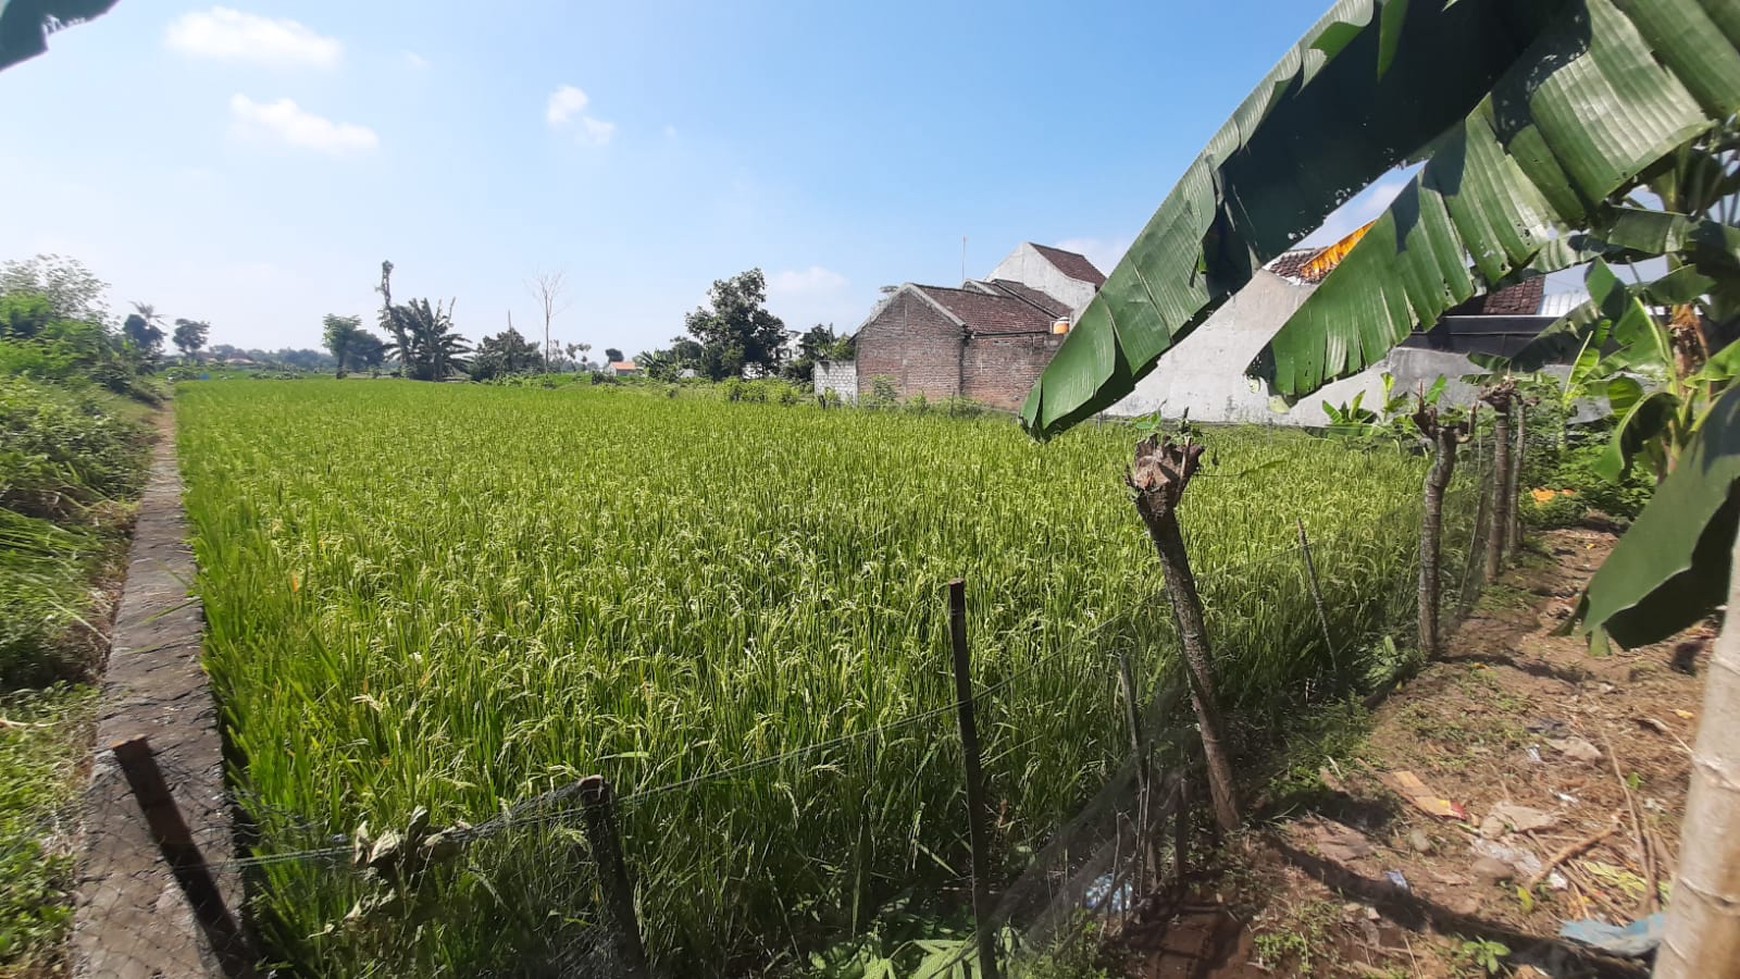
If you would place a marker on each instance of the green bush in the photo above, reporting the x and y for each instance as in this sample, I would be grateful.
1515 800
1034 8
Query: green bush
1576 488
60 449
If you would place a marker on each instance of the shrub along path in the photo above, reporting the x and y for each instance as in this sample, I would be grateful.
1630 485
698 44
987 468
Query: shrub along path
1533 747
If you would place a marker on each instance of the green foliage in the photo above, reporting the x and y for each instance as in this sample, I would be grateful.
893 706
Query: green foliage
190 336
60 450
460 597
346 340
735 330
26 24
424 341
505 354
1484 954
39 783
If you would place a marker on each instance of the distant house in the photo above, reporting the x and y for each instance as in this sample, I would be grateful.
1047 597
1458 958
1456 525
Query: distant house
1205 372
986 341
624 368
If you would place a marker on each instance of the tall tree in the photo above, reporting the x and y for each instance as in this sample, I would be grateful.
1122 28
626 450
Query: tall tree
577 353
612 355
390 322
144 326
73 292
548 288
343 336
737 329
190 336
505 354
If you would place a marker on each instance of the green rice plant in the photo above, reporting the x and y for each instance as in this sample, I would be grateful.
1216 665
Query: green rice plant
458 597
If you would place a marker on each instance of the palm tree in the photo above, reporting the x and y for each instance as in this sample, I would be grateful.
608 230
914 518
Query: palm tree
1539 121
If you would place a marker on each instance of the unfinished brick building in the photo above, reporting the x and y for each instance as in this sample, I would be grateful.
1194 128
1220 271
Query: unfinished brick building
987 340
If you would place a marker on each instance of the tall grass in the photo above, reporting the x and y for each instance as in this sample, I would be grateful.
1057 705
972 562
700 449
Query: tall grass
458 598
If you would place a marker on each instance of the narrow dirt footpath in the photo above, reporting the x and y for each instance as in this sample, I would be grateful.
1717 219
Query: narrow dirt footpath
1516 784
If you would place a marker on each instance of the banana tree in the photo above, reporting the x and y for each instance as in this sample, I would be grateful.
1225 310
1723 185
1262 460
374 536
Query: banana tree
26 24
1537 120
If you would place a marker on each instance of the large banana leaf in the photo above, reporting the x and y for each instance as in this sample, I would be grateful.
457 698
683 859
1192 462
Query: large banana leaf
1535 112
26 24
1611 89
1323 124
1671 568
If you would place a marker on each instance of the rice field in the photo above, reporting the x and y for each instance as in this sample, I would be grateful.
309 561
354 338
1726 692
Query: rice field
458 597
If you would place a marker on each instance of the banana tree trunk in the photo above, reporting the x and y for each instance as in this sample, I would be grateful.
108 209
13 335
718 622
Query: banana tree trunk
1158 480
1444 443
1703 927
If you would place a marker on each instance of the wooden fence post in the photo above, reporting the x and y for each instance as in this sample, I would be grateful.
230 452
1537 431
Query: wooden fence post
978 810
169 830
598 804
1147 853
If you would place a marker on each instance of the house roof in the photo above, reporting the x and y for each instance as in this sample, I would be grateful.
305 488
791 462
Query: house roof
1522 299
1291 265
1072 264
1048 304
985 313
623 365
1313 265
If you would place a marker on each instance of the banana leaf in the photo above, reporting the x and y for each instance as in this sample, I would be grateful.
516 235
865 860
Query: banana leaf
26 24
1536 110
1671 568
1610 90
1369 86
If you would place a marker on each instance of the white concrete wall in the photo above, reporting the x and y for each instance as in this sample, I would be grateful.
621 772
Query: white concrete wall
841 378
1026 266
1205 373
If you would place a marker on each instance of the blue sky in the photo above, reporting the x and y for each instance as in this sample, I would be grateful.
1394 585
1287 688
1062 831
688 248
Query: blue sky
251 164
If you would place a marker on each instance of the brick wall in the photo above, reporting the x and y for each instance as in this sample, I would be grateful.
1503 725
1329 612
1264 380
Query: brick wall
999 371
913 344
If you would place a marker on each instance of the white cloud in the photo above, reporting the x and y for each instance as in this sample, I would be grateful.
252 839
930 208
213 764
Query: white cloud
231 35
1105 253
812 281
568 104
286 122
413 60
597 131
565 103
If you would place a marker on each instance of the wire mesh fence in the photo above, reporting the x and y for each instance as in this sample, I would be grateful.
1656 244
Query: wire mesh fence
580 881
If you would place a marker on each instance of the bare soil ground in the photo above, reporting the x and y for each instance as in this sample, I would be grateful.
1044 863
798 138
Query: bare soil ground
1550 767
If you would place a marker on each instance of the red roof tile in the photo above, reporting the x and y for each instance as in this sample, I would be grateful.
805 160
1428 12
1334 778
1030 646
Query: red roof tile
984 313
1048 304
1522 299
1071 264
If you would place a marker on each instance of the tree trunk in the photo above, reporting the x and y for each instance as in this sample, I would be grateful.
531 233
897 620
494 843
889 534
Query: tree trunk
1499 531
1513 536
1703 927
1444 442
1161 473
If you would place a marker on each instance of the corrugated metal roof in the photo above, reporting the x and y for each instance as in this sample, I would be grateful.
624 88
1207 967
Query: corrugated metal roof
1559 304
